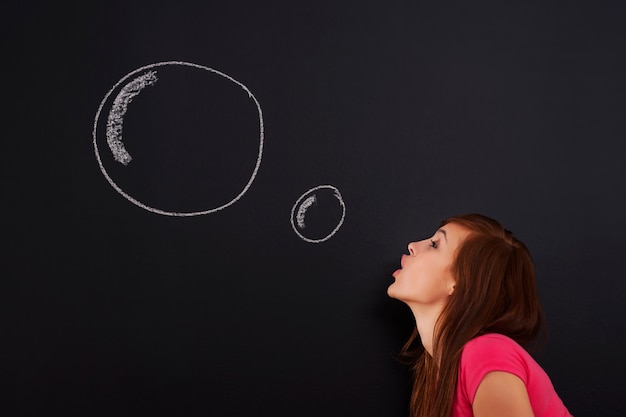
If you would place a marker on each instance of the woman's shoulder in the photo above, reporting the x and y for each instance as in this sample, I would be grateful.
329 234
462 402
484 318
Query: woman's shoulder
490 343
495 352
488 353
491 338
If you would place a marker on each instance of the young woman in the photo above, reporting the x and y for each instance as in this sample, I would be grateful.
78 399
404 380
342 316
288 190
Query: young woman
471 288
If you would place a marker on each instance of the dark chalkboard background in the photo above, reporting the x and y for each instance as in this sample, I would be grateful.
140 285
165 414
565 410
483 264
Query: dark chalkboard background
414 110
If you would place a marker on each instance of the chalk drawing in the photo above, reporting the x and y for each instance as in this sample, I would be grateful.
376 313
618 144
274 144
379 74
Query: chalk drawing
302 210
133 84
313 197
115 121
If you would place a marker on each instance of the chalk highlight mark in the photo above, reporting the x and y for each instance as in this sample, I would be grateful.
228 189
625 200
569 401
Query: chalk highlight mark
304 203
124 155
302 210
115 121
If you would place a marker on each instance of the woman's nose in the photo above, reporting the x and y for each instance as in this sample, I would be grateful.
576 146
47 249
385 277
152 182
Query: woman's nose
412 248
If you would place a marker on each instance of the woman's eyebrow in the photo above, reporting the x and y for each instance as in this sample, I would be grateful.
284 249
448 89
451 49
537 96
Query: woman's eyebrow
443 232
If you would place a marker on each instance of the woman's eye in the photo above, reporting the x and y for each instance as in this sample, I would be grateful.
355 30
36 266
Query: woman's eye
433 244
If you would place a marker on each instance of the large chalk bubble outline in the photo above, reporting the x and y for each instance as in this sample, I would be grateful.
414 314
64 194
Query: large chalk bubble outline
306 200
117 150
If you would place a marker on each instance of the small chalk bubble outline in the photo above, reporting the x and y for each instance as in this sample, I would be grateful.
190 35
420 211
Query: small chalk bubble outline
301 212
153 209
115 121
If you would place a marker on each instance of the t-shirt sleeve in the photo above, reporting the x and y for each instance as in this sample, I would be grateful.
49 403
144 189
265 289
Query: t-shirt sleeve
488 354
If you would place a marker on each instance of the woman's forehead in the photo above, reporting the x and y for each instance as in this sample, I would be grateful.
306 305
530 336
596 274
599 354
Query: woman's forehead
453 233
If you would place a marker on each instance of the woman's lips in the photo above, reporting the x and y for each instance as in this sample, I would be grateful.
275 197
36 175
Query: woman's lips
401 266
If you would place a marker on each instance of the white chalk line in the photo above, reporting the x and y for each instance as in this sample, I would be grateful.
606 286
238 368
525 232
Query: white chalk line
115 121
172 213
302 210
308 202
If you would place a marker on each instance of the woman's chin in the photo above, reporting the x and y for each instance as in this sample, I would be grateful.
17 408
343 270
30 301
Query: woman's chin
391 291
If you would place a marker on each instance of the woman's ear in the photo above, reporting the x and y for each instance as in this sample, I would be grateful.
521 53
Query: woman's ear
451 289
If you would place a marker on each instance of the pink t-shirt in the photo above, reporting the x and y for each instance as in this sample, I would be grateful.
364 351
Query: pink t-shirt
495 352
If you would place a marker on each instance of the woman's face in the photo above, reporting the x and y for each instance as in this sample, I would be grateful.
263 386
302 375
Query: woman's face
425 276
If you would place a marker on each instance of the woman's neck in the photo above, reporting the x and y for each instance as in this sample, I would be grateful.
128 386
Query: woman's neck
425 320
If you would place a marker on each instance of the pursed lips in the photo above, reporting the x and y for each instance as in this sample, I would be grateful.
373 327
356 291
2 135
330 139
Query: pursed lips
401 266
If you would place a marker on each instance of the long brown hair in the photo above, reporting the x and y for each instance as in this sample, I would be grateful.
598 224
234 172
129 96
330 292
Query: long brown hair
495 292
